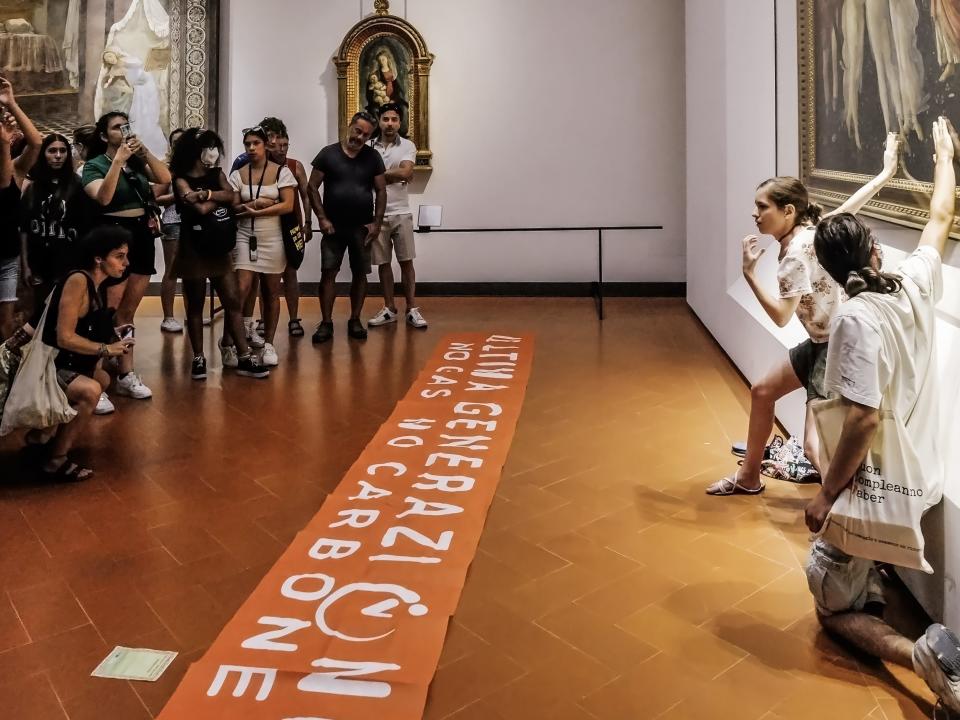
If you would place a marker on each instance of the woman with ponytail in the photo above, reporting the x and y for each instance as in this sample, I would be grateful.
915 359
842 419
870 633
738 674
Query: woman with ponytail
882 352
783 209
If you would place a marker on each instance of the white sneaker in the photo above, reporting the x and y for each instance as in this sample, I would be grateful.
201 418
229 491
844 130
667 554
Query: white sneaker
171 325
228 356
104 406
269 357
132 386
253 339
936 659
415 319
386 315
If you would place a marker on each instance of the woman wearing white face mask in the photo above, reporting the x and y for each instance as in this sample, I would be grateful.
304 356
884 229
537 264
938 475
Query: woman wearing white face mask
170 227
201 189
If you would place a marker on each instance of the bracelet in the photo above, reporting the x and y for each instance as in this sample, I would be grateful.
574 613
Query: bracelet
103 351
209 194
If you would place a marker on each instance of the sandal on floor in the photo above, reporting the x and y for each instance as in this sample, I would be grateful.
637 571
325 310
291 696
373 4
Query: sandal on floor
294 328
68 471
730 486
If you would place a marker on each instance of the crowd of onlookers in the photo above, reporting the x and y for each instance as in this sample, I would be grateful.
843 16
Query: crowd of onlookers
80 218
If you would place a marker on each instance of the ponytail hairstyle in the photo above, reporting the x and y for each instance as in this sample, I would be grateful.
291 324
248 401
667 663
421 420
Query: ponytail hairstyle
785 191
845 249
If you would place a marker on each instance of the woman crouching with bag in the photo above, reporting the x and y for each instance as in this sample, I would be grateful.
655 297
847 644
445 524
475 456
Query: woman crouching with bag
79 325
207 237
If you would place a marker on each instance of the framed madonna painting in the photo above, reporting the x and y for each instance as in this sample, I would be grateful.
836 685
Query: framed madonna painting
869 67
72 60
384 59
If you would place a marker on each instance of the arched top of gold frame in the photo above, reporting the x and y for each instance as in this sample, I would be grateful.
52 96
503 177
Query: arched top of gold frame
348 57
363 31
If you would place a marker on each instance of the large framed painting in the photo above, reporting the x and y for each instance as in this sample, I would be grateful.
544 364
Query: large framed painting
72 60
869 67
384 59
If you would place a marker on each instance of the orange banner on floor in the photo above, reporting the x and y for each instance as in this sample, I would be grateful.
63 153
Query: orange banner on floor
350 622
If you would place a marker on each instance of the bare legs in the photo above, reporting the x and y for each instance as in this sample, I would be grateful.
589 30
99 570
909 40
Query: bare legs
408 280
870 634
291 291
194 292
780 381
83 394
126 297
168 285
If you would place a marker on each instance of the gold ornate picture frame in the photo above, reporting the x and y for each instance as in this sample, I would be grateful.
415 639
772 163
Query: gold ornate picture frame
847 103
383 58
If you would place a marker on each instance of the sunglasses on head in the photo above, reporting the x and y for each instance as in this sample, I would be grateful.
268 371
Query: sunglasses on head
255 130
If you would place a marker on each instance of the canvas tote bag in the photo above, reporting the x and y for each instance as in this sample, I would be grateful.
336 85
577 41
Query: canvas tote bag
36 400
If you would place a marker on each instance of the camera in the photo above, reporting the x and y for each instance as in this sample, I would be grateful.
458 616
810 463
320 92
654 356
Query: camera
253 248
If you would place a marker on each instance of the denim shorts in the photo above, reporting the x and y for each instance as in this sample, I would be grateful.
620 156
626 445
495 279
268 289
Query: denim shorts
839 582
9 274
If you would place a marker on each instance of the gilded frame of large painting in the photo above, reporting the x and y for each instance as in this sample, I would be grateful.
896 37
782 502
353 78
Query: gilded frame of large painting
845 115
384 58
78 58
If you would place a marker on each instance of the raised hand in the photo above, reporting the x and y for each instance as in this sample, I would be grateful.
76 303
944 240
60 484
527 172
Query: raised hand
124 153
751 253
943 144
891 155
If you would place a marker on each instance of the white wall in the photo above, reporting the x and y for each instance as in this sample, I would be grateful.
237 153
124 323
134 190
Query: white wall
734 142
543 112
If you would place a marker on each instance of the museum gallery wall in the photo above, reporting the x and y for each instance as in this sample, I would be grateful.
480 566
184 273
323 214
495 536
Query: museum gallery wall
72 60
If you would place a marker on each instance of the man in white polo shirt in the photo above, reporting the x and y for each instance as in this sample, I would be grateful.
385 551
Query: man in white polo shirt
399 156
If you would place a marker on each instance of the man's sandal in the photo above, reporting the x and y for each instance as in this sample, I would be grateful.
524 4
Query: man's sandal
730 486
294 328
68 471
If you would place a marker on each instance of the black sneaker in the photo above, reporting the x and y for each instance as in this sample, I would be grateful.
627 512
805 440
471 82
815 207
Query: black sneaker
249 367
356 330
323 332
198 370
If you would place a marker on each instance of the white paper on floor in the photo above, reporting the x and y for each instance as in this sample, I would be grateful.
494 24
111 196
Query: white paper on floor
134 664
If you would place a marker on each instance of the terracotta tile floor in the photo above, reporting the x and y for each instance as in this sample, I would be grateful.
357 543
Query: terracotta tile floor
606 585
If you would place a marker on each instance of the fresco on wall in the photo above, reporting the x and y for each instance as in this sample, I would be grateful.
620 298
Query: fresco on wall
869 67
72 60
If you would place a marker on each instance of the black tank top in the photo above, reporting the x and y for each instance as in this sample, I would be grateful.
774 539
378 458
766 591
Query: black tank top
96 325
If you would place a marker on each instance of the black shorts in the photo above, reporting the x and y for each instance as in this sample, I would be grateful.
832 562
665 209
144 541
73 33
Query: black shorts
809 362
350 239
141 250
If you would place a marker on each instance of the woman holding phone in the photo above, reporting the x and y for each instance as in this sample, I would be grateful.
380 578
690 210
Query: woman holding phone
264 191
117 176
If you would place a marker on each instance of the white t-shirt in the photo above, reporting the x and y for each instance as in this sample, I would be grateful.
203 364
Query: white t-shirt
285 179
882 346
398 201
800 274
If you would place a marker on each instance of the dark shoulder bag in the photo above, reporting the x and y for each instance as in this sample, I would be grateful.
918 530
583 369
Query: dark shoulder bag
213 234
294 243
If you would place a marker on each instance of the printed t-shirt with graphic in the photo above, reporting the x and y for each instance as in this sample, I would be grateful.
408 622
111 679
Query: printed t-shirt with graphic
800 274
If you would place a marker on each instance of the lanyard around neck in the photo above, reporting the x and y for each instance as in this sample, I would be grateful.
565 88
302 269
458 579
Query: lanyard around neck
259 186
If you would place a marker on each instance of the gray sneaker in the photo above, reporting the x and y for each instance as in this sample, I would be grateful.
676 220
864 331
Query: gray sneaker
936 658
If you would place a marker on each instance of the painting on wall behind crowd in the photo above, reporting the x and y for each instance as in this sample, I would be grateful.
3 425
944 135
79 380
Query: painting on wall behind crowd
384 59
869 67
72 60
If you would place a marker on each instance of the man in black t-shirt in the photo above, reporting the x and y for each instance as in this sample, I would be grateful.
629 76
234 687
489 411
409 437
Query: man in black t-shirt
351 172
